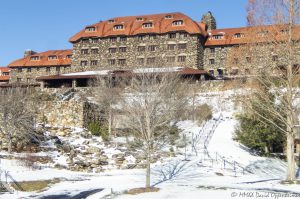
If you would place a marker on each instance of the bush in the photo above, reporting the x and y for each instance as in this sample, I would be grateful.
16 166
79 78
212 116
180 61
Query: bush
99 130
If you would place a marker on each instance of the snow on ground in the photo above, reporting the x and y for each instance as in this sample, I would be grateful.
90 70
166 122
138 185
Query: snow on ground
198 178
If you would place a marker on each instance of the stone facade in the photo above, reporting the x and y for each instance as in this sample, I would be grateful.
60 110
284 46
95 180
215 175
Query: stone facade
29 74
152 50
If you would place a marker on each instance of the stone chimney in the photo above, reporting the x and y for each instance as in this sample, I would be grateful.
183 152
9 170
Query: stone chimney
209 20
28 53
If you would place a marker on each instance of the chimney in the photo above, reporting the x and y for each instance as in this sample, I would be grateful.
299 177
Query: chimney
28 53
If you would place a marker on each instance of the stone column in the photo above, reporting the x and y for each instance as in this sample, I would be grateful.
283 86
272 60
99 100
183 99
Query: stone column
74 83
42 85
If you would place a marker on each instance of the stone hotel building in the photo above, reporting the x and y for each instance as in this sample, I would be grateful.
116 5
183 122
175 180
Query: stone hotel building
152 41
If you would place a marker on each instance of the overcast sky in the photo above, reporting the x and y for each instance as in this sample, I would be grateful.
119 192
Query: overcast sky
43 25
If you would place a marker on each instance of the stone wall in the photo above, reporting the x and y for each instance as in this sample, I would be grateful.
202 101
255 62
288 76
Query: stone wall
133 57
62 113
29 74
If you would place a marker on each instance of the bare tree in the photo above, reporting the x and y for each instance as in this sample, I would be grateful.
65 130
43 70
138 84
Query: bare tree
270 49
152 102
16 115
107 93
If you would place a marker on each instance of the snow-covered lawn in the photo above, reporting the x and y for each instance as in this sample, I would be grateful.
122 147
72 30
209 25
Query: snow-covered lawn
199 178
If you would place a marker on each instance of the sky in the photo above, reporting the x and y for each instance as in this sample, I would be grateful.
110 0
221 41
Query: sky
48 24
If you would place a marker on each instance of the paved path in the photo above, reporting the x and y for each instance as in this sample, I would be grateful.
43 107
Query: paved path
81 195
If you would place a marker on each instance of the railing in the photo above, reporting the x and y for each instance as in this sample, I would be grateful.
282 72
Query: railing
8 181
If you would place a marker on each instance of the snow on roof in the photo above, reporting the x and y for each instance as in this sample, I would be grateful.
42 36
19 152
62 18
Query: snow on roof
101 72
156 70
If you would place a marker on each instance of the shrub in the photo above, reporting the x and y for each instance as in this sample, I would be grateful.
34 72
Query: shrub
99 130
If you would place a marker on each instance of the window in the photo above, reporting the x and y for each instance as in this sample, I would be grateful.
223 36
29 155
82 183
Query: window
94 62
212 50
84 51
183 35
171 46
248 59
112 50
181 58
95 40
95 50
147 25
83 63
111 62
211 61
123 38
171 59
5 73
139 19
217 36
90 29
168 17
52 57
57 69
48 69
122 62
177 23
113 39
119 27
150 60
274 58
34 58
69 56
152 48
140 61
111 21
85 41
28 70
182 46
212 72
141 48
141 37
37 69
172 35
19 79
238 35
19 70
122 49
152 37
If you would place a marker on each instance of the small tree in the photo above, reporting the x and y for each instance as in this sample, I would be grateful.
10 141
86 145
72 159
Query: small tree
107 94
152 102
17 115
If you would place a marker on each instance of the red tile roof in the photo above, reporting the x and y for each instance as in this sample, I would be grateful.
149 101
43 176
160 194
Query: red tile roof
4 78
4 69
274 33
133 25
62 59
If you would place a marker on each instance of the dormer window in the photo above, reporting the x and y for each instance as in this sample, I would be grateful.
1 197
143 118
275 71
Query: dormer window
168 17
177 23
34 58
262 33
90 29
139 19
111 21
52 57
69 56
147 25
218 36
238 35
119 27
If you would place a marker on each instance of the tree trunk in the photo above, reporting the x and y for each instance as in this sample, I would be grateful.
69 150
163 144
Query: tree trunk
109 120
9 147
290 157
148 169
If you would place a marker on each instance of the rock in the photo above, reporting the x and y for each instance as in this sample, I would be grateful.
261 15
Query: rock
93 149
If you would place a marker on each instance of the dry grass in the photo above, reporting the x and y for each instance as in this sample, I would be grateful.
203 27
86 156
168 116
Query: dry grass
136 191
35 185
